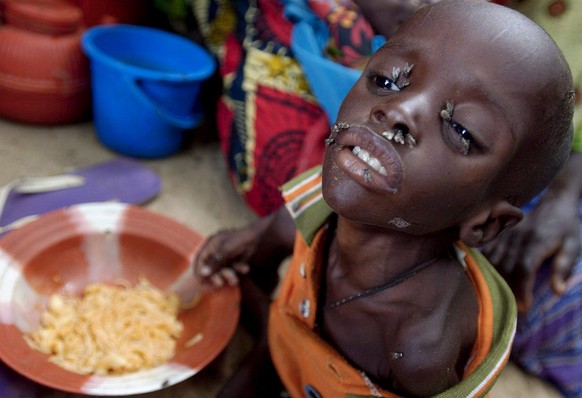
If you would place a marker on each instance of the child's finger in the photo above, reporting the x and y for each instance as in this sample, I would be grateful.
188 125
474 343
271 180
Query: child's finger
204 270
241 268
216 280
209 259
229 276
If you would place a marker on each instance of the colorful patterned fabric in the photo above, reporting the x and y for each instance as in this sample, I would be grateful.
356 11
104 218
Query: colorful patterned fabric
307 363
351 35
270 125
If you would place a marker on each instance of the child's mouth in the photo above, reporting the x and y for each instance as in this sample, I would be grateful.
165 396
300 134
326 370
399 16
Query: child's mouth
370 160
367 157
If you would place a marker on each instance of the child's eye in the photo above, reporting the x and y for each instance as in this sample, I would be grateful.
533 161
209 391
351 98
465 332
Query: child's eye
385 83
457 134
465 139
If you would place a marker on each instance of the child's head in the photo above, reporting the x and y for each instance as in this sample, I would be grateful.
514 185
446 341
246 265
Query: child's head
465 115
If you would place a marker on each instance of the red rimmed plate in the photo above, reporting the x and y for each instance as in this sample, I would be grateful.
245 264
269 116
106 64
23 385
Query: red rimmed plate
66 249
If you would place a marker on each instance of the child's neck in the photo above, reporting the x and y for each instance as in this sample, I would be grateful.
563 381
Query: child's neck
367 255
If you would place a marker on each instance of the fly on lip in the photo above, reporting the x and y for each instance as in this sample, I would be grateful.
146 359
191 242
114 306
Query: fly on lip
337 127
395 135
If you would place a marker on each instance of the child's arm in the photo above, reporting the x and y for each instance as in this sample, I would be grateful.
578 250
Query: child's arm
257 248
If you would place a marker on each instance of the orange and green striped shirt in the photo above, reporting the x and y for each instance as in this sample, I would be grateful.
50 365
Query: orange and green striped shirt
306 362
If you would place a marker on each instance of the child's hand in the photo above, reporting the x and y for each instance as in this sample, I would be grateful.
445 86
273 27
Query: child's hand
225 254
258 248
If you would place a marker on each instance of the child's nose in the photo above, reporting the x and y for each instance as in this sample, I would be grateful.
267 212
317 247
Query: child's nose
404 113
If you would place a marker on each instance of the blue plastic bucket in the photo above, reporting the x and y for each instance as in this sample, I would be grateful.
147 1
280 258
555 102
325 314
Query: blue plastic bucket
145 87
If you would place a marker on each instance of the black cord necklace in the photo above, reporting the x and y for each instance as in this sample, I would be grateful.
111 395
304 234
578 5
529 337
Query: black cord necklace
398 279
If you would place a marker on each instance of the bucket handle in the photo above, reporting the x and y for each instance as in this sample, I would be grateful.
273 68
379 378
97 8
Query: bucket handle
185 122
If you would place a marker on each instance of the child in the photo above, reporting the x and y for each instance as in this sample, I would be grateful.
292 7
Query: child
460 119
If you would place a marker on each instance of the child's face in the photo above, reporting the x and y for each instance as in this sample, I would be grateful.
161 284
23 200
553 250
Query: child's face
447 170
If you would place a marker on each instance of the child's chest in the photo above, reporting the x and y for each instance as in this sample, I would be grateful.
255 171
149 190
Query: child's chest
370 343
395 340
369 340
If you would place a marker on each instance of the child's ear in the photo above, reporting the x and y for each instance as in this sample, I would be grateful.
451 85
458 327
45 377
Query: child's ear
488 223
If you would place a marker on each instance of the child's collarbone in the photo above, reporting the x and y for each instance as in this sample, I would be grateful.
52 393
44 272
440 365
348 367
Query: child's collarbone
402 335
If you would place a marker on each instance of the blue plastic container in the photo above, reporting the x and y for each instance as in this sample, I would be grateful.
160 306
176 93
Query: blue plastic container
145 87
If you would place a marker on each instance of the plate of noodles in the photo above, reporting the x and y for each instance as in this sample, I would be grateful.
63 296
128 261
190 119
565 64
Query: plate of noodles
99 299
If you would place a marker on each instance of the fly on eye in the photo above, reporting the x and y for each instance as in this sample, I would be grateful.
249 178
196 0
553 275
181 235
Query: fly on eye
384 82
465 137
458 135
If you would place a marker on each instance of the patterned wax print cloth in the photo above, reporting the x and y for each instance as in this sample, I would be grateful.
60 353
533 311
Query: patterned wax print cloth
270 125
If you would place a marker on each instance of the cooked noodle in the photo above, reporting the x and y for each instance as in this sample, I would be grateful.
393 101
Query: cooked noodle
110 329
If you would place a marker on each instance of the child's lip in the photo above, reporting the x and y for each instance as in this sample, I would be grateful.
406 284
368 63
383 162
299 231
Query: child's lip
378 147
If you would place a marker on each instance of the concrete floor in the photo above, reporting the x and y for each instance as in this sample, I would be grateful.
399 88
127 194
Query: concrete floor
196 192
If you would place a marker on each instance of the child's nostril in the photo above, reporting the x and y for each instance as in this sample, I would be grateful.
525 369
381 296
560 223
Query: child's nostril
401 127
379 116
